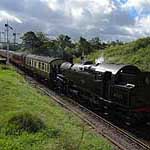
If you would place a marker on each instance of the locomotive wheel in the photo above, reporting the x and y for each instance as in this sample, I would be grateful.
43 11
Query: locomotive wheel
130 121
106 110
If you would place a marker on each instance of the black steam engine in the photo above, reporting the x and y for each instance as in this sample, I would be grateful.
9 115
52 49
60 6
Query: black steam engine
122 91
119 90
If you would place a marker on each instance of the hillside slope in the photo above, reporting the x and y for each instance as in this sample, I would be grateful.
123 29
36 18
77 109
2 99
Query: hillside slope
136 53
32 121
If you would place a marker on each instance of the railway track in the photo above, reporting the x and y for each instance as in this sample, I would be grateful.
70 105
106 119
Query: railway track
120 138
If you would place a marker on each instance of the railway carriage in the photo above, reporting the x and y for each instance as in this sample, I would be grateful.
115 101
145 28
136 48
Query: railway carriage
44 67
17 58
3 53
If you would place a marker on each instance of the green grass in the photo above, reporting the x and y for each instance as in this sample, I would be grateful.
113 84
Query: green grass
136 53
32 121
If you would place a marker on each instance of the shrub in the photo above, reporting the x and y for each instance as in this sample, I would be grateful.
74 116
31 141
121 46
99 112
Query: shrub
26 122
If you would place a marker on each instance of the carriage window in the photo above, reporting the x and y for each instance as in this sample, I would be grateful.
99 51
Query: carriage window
49 67
39 65
35 64
45 69
42 66
28 61
32 63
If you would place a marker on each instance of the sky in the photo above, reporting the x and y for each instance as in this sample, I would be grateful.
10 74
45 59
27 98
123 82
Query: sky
123 20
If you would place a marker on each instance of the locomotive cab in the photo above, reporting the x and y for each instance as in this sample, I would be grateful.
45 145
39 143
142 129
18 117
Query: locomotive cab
124 84
140 96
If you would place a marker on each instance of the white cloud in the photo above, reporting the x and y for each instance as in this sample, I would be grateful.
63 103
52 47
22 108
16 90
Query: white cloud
88 16
140 29
140 5
54 5
137 3
77 13
109 19
6 16
76 7
142 24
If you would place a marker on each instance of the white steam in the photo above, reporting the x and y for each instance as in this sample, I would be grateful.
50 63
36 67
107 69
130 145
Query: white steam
100 60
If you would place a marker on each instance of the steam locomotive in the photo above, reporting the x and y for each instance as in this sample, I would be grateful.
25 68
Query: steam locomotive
122 91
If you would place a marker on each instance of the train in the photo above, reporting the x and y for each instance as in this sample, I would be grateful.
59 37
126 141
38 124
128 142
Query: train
118 90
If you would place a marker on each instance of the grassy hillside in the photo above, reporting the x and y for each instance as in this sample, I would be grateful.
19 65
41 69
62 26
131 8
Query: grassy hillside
136 53
31 121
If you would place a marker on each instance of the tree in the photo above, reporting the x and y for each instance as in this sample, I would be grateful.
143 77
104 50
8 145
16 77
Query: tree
64 41
30 41
42 37
95 43
84 46
53 49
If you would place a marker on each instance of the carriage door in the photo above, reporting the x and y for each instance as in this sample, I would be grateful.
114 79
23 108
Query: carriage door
106 84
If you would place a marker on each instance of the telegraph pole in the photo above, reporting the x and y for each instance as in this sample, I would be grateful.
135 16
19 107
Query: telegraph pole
4 33
7 30
7 39
14 34
1 39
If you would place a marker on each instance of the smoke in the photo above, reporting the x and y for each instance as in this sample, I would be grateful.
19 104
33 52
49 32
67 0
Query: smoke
100 60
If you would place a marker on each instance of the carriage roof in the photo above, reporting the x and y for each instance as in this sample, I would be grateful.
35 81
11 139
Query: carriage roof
46 59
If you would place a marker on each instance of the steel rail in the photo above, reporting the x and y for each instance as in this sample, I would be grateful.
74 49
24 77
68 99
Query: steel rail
98 123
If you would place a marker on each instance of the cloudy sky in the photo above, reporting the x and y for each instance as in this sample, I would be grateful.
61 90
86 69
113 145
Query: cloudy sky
108 19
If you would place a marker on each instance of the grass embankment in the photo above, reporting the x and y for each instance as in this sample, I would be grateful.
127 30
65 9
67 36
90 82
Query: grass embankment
136 53
30 120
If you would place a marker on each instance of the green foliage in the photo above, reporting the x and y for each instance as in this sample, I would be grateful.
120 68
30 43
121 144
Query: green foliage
26 122
96 43
31 41
84 46
42 37
136 53
64 41
142 43
62 46
31 121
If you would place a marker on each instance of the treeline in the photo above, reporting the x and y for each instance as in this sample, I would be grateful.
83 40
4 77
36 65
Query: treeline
38 43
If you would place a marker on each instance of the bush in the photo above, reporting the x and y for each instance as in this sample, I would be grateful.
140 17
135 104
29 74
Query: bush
25 122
